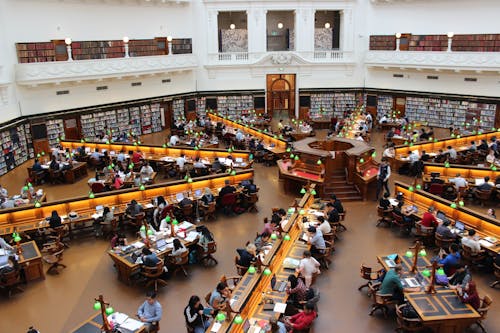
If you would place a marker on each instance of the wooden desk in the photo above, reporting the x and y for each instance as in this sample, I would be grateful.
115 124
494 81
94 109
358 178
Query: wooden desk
31 260
78 170
484 225
94 324
321 123
468 172
443 311
406 262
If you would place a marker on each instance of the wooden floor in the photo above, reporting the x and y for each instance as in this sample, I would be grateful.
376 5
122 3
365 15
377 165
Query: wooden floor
61 302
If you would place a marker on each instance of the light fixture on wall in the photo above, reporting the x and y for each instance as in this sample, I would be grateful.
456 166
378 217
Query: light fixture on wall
169 40
398 40
450 40
280 25
327 25
232 26
125 44
68 42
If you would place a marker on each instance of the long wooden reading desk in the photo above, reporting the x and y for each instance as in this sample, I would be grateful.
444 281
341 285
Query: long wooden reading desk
25 219
273 142
94 324
433 147
484 225
470 173
253 290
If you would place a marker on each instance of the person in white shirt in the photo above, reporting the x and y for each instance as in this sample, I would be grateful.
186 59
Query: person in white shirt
308 266
280 125
490 158
4 245
96 155
198 163
3 192
239 135
324 226
452 152
146 170
471 242
359 137
414 157
459 181
369 120
389 152
120 157
181 160
383 119
174 140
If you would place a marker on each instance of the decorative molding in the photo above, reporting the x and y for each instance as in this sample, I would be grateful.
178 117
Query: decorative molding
281 58
68 71
463 61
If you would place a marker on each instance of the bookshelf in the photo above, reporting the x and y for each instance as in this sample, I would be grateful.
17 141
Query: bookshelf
322 106
150 118
344 102
16 146
135 120
35 52
234 106
55 129
178 109
182 46
385 105
201 103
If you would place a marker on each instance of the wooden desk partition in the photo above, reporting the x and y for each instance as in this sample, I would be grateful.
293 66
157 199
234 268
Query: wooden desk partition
468 172
29 218
483 224
268 138
433 147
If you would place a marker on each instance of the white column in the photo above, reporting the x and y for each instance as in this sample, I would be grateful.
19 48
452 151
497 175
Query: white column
304 30
212 32
256 23
347 30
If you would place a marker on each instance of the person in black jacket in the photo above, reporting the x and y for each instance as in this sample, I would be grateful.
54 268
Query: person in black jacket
193 313
228 188
384 201
332 213
247 255
337 204
55 220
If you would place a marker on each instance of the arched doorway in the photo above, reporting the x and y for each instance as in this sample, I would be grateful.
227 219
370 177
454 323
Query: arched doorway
281 95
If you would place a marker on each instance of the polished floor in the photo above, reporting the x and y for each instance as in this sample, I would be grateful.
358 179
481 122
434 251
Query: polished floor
61 302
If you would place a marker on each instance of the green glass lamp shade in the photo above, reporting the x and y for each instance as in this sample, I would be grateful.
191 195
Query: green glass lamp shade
91 195
238 320
288 150
461 203
135 143
58 140
435 140
251 270
81 141
43 153
142 228
440 271
38 204
229 150
411 189
190 180
286 237
130 166
164 145
406 142
109 311
260 131
150 232
374 154
142 187
168 218
281 136
38 155
303 191
361 160
430 138
409 254
302 212
233 173
296 157
186 177
139 142
426 273
459 136
30 185
274 236
267 272
419 187
107 142
494 168
447 164
175 222
220 316
250 157
480 132
453 205
290 210
319 162
25 188
292 155
411 144
196 148
313 192
422 253
17 239
110 167
452 135
97 306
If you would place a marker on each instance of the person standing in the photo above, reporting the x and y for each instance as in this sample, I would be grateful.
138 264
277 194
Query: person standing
150 312
384 172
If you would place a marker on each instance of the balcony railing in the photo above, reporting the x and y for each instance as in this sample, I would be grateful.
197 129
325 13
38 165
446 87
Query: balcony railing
67 71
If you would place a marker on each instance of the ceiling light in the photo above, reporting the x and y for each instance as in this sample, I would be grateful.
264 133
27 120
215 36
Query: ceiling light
450 34
125 39
232 26
327 25
169 38
280 25
398 35
67 40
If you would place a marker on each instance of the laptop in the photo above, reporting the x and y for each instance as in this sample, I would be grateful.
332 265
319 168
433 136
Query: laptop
412 282
99 208
435 174
479 181
161 244
179 197
239 160
197 193
442 216
460 226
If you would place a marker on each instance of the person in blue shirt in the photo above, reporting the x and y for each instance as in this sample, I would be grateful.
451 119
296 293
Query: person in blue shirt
149 258
451 261
37 166
150 312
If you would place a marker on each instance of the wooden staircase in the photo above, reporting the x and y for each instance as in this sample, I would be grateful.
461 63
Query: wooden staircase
336 183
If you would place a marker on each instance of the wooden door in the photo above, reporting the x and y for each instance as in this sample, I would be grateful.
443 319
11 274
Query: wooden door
400 106
41 145
404 42
497 117
60 49
168 114
281 93
71 129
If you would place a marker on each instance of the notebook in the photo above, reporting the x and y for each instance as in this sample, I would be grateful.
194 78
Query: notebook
390 263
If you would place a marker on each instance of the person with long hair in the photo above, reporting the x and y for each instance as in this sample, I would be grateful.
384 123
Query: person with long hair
470 295
193 313
277 326
296 290
179 248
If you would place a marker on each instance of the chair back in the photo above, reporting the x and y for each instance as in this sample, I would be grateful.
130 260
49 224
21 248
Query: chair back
484 195
436 189
496 270
211 247
231 281
210 208
342 215
240 270
207 298
153 272
97 187
441 242
9 279
187 210
407 324
181 259
398 218
252 198
485 306
365 272
228 199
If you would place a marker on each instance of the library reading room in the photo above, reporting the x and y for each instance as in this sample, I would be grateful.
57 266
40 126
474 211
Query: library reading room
244 166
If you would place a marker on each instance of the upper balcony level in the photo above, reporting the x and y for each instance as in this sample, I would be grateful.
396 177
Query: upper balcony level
438 52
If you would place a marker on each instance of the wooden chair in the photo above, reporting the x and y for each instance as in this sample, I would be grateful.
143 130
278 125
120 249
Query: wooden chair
109 228
240 270
10 282
380 301
483 196
472 259
205 256
97 187
340 226
136 221
250 201
384 215
231 281
187 212
436 189
268 159
209 211
407 324
54 260
37 177
483 311
443 243
324 259
497 275
56 176
397 221
369 275
425 234
228 201
153 275
329 237
180 263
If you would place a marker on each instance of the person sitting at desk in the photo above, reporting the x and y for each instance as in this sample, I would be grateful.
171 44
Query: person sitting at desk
28 191
490 158
160 204
218 297
4 245
296 291
194 316
239 136
483 146
406 215
461 277
471 241
186 201
262 241
146 170
308 266
119 239
180 161
96 155
324 225
228 188
444 231
384 202
425 157
260 146
198 164
150 312
429 219
133 208
280 126
389 152
440 157
473 146
136 156
269 227
178 249
174 140
458 181
3 192
249 187
107 218
451 152
332 213
423 135
149 258
469 295
207 197
137 179
217 166
55 220
337 204
391 285
486 186
247 256
302 320
278 216
358 137
450 261
491 211
384 119
117 182
6 203
317 242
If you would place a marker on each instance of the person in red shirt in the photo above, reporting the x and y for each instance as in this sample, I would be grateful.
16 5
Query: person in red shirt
301 320
136 157
428 219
